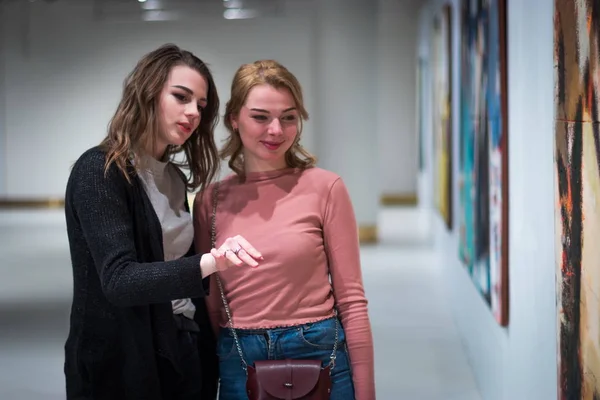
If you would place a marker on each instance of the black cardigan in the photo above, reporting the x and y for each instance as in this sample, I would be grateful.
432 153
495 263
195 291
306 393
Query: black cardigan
122 342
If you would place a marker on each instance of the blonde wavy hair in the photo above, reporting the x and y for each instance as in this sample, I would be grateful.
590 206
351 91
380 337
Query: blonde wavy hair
135 124
274 74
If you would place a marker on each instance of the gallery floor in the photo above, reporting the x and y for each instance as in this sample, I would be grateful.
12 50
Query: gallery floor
418 352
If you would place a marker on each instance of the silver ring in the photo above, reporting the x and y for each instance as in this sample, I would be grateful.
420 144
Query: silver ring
236 251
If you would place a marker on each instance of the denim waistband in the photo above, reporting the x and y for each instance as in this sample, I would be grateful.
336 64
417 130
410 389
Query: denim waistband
262 331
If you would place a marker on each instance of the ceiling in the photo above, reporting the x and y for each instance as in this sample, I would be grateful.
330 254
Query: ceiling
164 10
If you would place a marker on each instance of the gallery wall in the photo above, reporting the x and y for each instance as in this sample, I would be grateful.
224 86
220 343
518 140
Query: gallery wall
3 163
62 64
63 73
510 341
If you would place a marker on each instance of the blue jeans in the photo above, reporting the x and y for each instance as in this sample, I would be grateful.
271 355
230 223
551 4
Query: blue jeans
309 341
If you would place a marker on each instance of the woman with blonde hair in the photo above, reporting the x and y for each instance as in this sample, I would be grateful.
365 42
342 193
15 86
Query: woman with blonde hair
139 327
306 301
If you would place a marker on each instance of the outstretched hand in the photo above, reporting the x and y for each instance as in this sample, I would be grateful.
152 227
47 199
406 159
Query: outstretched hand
236 251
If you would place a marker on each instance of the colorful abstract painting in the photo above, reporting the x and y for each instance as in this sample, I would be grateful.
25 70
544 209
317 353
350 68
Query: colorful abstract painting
483 160
442 116
577 194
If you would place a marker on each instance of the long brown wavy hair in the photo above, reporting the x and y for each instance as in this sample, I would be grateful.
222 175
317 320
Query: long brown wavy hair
262 72
135 124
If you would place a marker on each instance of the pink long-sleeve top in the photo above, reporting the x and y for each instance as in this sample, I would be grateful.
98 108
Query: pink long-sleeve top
303 223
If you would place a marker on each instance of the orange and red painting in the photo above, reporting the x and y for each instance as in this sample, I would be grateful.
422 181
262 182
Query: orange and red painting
577 194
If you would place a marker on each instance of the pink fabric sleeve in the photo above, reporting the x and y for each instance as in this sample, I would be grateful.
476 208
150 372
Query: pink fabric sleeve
343 254
202 243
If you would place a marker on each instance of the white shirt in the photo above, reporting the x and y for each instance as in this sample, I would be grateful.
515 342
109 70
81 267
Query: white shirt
166 191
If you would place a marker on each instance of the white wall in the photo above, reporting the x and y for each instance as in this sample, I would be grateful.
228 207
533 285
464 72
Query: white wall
345 59
425 189
531 150
3 163
62 88
397 25
65 67
520 361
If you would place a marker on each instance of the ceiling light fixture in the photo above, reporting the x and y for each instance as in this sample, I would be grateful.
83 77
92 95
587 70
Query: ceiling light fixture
239 13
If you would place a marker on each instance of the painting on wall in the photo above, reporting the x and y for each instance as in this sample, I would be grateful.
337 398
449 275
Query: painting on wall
442 116
483 155
577 196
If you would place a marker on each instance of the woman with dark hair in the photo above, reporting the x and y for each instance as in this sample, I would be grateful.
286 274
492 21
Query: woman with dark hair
139 327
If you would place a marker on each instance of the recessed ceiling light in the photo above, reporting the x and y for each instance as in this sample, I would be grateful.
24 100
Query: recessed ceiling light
239 13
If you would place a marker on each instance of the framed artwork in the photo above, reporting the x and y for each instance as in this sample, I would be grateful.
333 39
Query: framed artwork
483 154
442 112
577 196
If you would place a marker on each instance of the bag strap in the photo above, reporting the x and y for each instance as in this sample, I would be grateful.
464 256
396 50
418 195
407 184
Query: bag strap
213 232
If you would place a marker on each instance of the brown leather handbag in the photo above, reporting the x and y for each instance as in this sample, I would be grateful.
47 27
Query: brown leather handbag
280 379
288 379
